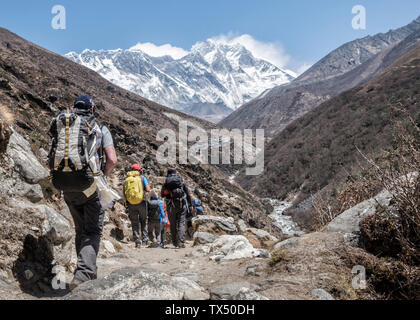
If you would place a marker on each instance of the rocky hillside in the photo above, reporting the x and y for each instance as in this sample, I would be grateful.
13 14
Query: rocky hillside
347 67
321 147
212 73
356 52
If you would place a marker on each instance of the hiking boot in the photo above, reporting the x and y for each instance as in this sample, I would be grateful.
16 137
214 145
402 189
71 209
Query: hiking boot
138 244
75 283
162 246
181 246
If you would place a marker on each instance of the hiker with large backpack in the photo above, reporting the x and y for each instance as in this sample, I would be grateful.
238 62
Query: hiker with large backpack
177 197
157 221
134 189
79 145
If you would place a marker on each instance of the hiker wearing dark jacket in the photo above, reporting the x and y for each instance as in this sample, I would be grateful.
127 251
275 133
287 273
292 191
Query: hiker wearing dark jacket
156 219
177 194
84 205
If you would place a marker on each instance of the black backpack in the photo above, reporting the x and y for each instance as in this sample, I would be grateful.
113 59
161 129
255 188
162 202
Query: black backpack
76 138
154 210
175 185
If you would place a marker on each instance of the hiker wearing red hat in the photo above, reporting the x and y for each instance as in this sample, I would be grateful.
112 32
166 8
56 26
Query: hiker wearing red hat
136 167
135 186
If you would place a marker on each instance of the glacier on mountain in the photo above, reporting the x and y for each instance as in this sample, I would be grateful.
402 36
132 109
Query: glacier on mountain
212 72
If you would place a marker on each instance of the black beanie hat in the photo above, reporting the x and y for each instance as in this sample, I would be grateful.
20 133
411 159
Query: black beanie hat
171 171
83 102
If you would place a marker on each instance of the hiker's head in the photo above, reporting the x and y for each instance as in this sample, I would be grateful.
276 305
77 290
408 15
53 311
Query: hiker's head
85 102
171 171
154 197
136 167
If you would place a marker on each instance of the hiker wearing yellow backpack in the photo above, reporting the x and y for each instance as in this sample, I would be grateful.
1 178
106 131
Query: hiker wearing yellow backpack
135 187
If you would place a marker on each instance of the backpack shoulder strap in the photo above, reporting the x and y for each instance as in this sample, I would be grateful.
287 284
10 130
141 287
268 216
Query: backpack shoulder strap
101 152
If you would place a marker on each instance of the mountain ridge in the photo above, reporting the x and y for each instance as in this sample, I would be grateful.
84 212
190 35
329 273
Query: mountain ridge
211 73
278 107
356 52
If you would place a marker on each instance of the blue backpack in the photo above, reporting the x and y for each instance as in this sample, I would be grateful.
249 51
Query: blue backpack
198 208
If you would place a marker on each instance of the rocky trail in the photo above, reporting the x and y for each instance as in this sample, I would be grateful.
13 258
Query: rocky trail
212 267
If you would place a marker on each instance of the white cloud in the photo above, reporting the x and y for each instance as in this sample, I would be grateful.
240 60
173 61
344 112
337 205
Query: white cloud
159 51
270 51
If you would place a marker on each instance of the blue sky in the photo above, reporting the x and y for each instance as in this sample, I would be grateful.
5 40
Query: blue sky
302 30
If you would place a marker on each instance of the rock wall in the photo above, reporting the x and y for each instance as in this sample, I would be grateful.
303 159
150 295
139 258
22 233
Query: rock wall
34 236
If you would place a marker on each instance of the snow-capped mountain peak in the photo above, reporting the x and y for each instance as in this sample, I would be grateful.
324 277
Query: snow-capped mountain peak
212 72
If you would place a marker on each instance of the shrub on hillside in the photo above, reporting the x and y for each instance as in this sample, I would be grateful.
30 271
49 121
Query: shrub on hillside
396 233
380 234
386 278
393 233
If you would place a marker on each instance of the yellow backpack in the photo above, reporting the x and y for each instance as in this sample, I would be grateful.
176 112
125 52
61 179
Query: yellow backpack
133 188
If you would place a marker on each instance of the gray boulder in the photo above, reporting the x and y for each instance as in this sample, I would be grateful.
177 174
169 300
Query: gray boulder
55 226
253 270
136 283
203 238
262 253
108 246
226 225
261 234
321 294
12 185
228 247
65 254
230 290
25 162
242 226
65 212
349 221
32 192
245 294
44 155
292 242
188 275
